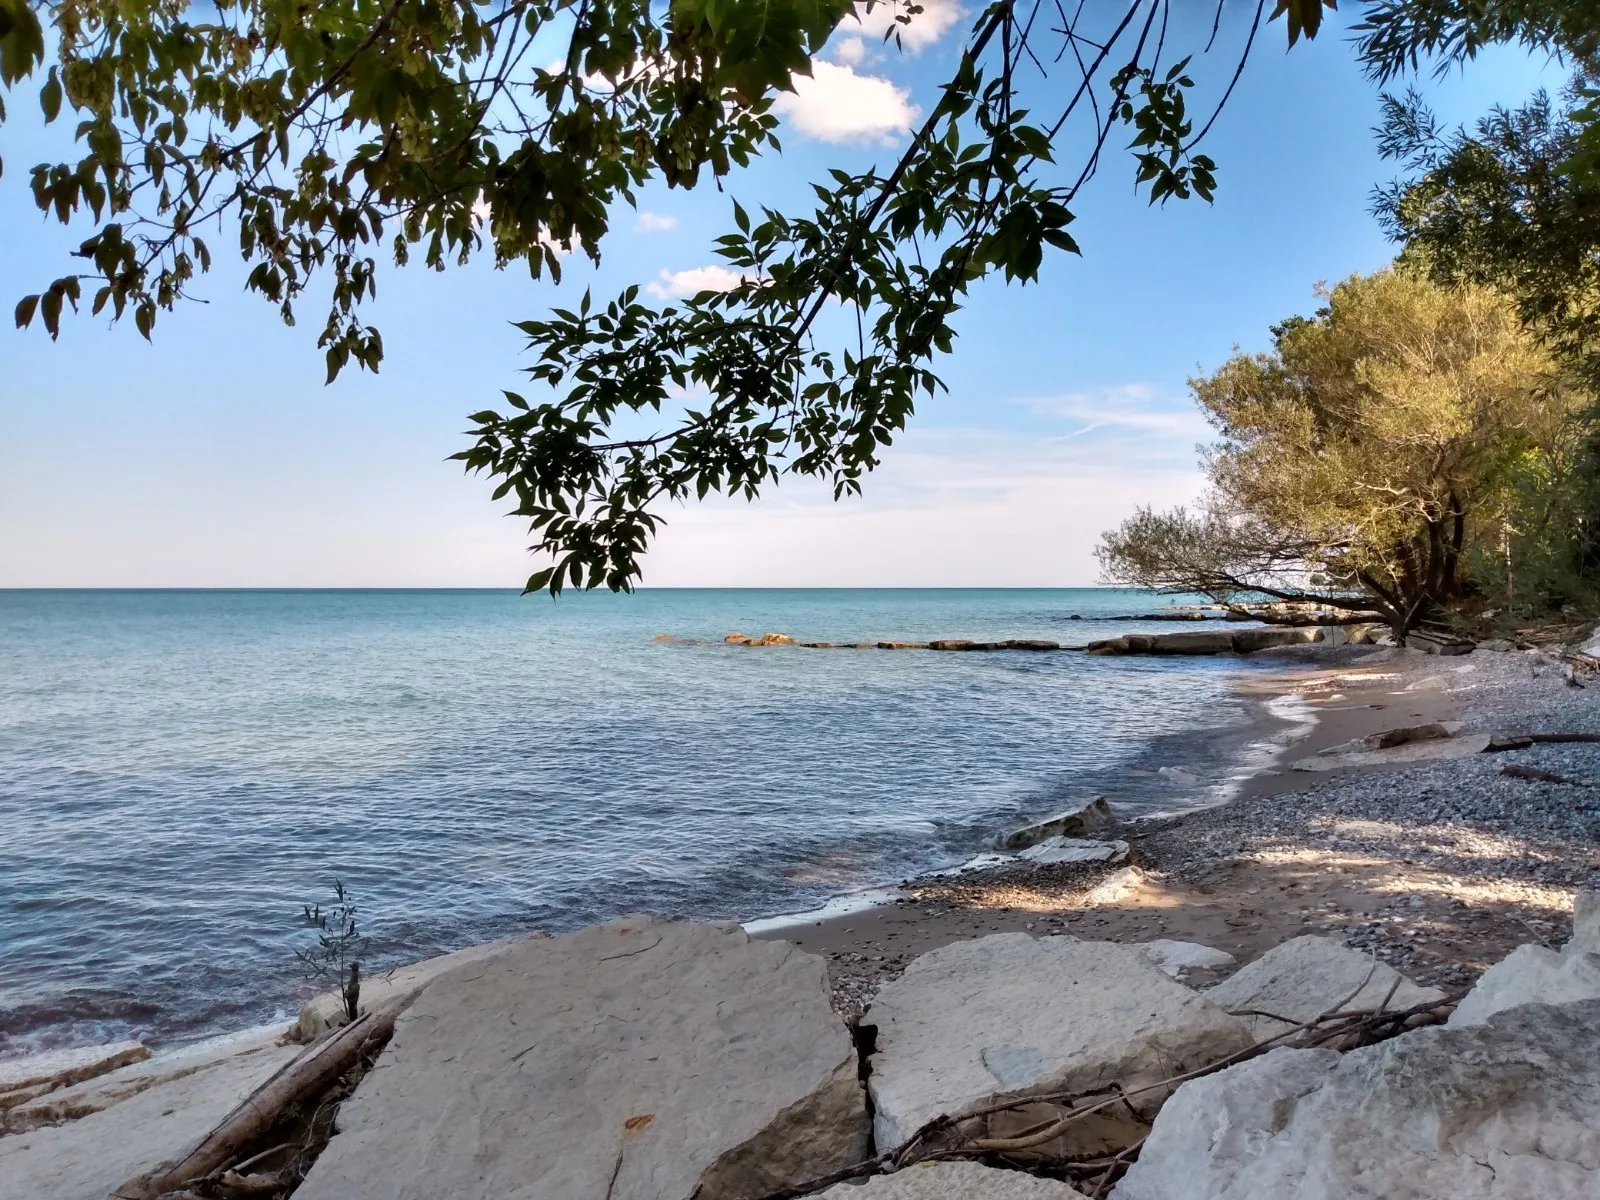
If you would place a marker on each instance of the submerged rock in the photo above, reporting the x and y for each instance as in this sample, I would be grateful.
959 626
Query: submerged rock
1506 1110
1308 976
640 1060
1008 1016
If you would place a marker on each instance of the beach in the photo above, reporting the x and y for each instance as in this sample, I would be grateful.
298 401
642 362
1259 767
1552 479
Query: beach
1439 868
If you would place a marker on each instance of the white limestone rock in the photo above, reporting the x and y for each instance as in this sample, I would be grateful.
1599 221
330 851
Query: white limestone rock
60 1067
326 1011
639 1060
1506 1110
1306 977
1066 849
1179 958
100 1093
1010 1016
85 1159
1535 975
953 1181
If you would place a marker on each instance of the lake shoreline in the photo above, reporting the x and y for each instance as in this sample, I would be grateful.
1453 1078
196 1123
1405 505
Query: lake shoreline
1379 856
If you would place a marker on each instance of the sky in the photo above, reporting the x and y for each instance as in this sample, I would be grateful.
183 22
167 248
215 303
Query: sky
216 457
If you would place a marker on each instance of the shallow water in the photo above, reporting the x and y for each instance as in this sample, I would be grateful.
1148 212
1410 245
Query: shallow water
181 771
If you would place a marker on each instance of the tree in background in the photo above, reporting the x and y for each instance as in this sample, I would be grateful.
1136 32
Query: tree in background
329 135
1376 455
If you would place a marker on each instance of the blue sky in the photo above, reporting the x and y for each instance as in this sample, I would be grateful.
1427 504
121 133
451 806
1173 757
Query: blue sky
216 457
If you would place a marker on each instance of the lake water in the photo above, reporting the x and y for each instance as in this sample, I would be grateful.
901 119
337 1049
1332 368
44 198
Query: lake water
181 771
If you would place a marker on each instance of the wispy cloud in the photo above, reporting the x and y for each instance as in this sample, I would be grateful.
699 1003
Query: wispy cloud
1132 406
652 222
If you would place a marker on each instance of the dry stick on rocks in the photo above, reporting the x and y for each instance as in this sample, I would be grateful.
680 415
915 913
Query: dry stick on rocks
306 1075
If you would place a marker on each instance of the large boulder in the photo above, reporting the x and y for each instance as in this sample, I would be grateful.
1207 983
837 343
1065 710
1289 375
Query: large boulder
1074 823
85 1159
1506 1110
1308 976
953 1181
640 1060
1535 975
1197 642
1009 1016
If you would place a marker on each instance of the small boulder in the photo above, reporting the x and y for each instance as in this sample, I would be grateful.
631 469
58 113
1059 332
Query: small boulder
774 639
1074 823
1030 644
1008 1016
1308 976
737 639
954 1180
1179 958
640 1060
1436 642
1065 849
1535 975
1406 734
1505 1110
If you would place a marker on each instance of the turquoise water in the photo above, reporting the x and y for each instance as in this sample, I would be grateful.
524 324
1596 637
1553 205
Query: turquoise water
181 771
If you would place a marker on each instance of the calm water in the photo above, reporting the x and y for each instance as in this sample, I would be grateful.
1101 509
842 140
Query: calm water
180 771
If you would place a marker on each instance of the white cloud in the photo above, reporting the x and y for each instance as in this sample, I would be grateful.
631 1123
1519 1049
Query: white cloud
852 51
925 28
837 105
649 222
693 281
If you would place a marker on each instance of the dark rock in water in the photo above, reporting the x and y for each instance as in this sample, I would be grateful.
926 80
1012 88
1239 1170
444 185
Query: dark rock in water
1075 823
1248 641
902 645
1027 644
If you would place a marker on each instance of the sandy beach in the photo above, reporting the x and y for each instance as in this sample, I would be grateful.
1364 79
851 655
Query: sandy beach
1438 867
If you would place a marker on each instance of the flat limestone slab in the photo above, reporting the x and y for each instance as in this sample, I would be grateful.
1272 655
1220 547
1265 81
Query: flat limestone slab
953 1181
325 1012
68 1066
1506 1110
100 1093
1305 977
85 1159
1179 958
1009 1015
639 1060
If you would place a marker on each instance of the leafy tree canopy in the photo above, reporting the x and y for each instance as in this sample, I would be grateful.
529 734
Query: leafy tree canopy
330 135
1367 457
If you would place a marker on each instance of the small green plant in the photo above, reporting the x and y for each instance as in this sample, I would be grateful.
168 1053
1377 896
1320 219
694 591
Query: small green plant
340 946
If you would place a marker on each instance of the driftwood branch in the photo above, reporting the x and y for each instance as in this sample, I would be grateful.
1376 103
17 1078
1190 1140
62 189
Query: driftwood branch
311 1072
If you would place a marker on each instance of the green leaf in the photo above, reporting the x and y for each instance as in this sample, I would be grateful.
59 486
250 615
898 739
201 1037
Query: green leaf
50 97
25 310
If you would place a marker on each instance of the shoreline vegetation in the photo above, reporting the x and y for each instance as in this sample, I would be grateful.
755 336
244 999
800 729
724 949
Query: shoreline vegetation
1421 851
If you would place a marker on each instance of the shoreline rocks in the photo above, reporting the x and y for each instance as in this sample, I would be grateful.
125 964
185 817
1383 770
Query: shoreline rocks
1009 1016
639 1060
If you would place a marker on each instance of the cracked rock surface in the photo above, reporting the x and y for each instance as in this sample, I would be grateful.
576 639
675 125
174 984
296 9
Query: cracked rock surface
640 1060
953 1181
1504 1110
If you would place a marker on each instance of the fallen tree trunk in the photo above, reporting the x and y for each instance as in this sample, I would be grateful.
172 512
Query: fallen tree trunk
307 1075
